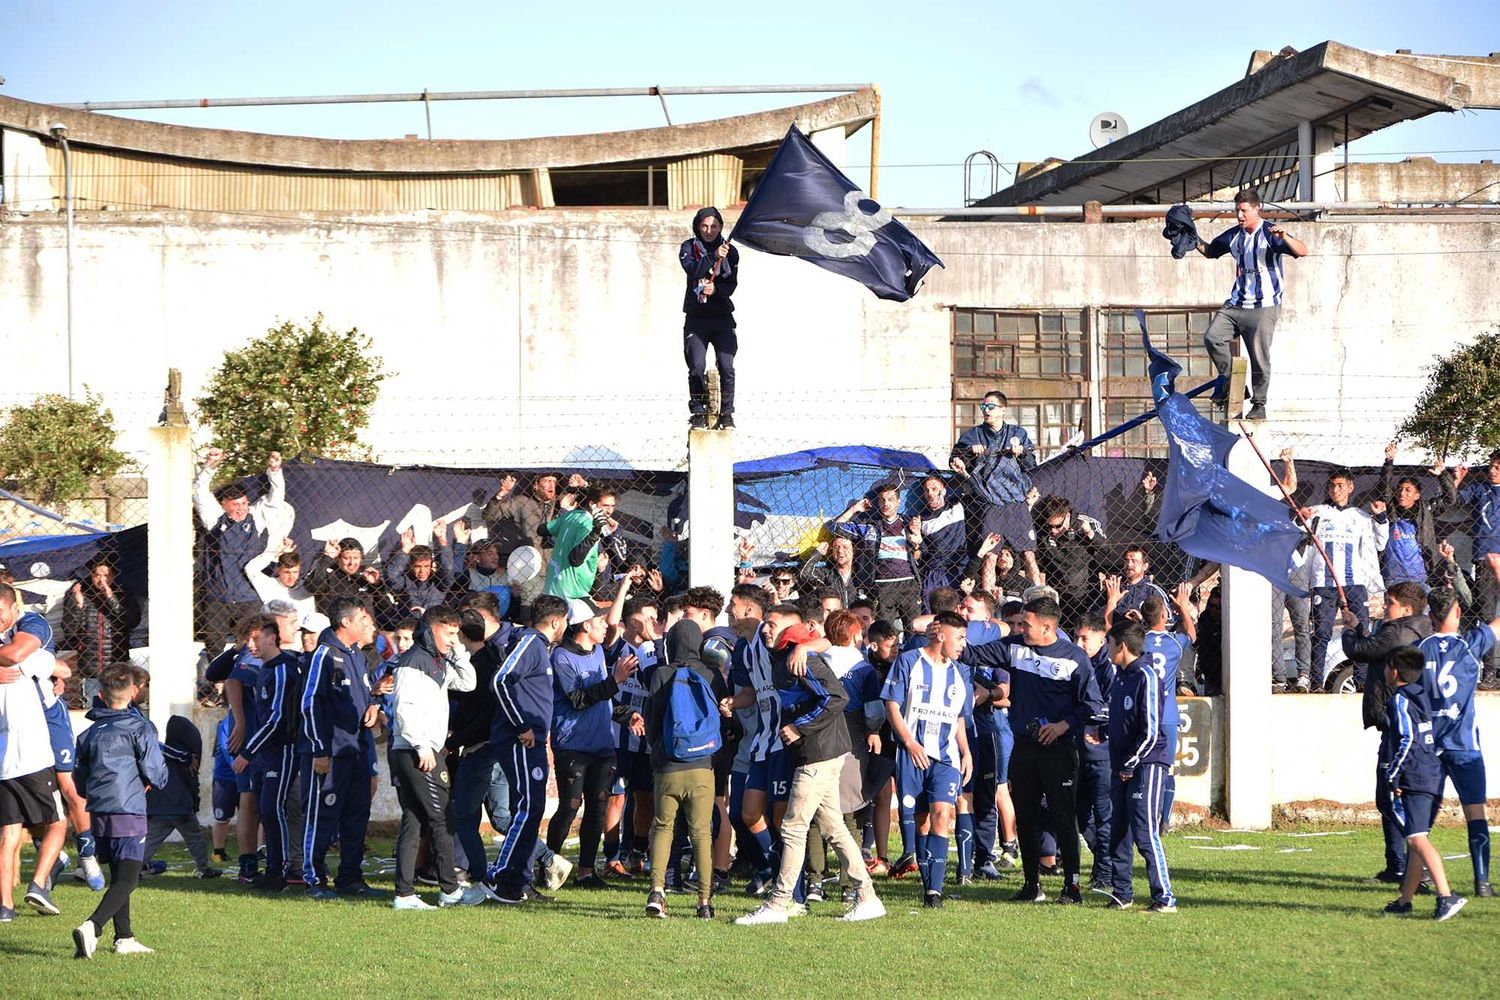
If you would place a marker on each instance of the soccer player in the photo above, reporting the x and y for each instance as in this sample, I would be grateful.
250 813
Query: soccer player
1409 755
929 700
522 686
64 749
1454 663
1481 496
238 693
117 757
336 709
986 795
1052 693
637 651
1254 302
1139 763
1164 652
1094 774
270 750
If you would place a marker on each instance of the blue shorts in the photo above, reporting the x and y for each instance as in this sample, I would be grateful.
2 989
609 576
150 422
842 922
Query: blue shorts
248 780
226 799
1414 812
772 776
919 790
60 729
632 772
116 838
1466 771
1007 742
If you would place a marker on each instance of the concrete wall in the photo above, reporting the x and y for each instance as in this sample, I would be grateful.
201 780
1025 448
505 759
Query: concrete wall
1419 179
533 332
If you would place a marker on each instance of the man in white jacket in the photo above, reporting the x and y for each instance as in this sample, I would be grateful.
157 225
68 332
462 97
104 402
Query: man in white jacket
1353 540
435 664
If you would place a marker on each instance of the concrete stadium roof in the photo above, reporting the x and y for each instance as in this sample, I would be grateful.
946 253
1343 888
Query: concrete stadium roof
442 156
1350 90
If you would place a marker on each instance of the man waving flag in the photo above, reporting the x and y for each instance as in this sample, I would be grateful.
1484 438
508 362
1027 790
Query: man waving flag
804 207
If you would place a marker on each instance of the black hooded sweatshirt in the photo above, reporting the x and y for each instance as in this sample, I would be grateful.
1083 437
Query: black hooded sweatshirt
697 259
684 649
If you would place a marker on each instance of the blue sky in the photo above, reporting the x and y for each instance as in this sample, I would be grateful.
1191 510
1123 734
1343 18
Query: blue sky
955 76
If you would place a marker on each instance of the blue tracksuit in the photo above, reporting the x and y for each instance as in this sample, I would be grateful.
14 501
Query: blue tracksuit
582 709
272 749
1094 806
1409 759
335 695
1138 748
522 687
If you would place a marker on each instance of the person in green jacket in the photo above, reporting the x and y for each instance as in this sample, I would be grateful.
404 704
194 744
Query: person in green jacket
576 537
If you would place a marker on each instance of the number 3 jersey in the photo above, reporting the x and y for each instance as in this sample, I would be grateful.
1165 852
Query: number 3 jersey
935 700
1453 664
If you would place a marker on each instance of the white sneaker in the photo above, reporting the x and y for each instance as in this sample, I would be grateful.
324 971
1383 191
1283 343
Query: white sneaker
469 895
867 908
84 940
557 871
796 909
412 902
130 946
766 914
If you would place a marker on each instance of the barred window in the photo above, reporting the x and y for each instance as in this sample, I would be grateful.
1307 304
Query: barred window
1050 422
1022 344
1177 332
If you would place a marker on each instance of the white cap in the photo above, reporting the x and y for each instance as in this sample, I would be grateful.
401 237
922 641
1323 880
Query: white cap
581 610
315 623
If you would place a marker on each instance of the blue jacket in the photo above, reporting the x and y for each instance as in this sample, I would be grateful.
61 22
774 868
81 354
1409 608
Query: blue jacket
522 686
1483 501
182 749
227 550
583 688
334 698
1182 231
414 596
223 759
1104 676
1137 735
118 756
997 475
1408 751
277 693
1053 683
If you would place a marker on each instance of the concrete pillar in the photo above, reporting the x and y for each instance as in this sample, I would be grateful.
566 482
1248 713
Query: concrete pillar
174 654
1304 161
1315 163
711 557
833 144
1247 677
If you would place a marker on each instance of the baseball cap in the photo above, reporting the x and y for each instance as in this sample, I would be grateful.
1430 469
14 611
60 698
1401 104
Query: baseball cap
279 608
795 635
581 609
314 623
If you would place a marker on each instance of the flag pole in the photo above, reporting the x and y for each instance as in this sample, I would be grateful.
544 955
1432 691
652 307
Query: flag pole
1296 512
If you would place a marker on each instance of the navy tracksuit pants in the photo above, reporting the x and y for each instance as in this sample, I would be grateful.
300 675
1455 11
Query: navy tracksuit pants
276 765
985 745
337 803
1136 825
1094 811
525 772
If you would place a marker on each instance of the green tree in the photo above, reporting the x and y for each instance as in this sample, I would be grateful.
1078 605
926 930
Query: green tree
55 445
300 390
1457 412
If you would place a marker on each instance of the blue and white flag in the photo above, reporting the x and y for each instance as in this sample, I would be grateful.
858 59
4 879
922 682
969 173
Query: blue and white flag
804 207
1206 510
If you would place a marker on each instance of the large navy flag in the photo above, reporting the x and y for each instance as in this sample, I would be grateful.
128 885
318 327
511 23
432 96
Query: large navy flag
1205 509
804 207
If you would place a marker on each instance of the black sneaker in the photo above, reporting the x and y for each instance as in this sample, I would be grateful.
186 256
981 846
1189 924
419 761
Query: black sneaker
656 904
1070 894
726 422
1482 889
1396 908
508 894
759 883
359 890
1447 906
590 881
1387 877
270 883
1426 888
933 900
1049 870
1161 906
535 895
698 421
705 911
428 877
1029 894
1257 412
222 857
813 891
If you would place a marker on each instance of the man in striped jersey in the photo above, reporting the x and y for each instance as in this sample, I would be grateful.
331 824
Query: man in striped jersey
640 641
1254 302
1139 762
929 700
1454 662
1353 540
942 552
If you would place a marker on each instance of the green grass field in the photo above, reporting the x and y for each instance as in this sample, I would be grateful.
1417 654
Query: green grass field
1286 913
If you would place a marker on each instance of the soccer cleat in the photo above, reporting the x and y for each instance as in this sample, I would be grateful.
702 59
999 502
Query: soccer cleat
1051 869
1447 906
1161 906
1070 894
130 946
412 902
1010 855
966 880
85 940
705 911
656 905
1482 889
428 877
933 900
868 908
616 869
267 884
221 856
1397 908
251 879
215 873
1426 888
590 881
1031 893
904 866
764 914
509 895
556 872
878 867
989 872
88 870
38 899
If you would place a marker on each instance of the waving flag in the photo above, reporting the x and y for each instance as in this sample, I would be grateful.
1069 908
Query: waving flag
1207 510
804 207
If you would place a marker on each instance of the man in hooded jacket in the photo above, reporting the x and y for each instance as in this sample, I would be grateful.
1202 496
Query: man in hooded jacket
713 269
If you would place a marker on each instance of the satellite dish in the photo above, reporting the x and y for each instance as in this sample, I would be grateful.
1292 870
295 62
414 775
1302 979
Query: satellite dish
1106 128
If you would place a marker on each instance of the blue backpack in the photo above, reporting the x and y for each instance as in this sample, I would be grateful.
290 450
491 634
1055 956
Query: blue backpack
691 730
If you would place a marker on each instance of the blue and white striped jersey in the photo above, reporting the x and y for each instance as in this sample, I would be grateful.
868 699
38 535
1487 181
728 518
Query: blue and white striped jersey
751 668
935 699
634 689
1257 265
1453 665
1353 540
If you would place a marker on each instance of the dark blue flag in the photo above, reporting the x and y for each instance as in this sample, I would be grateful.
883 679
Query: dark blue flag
804 207
1206 510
